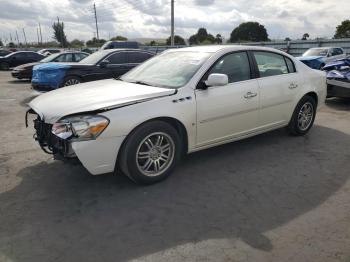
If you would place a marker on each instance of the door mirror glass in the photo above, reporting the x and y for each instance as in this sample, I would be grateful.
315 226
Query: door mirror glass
104 63
217 80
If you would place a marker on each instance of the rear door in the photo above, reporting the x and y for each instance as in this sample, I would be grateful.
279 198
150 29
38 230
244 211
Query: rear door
279 83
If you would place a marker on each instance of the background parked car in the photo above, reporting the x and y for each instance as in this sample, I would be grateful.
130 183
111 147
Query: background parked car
317 57
25 71
19 58
49 51
4 52
100 65
120 44
338 78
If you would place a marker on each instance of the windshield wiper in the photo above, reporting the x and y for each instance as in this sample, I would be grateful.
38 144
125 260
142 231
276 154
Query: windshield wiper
141 83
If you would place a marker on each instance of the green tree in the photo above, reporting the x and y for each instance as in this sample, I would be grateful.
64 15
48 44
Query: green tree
202 37
305 36
119 38
218 39
343 30
94 42
77 43
193 40
58 33
178 40
11 45
1 43
249 31
287 39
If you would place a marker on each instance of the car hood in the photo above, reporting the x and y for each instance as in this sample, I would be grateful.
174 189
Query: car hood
25 66
92 96
308 58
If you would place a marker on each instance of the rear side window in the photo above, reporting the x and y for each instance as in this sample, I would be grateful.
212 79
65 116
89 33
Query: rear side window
270 64
290 65
118 58
79 56
138 57
338 51
64 58
235 66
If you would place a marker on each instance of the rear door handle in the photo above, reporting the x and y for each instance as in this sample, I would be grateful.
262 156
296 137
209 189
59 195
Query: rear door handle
250 95
293 86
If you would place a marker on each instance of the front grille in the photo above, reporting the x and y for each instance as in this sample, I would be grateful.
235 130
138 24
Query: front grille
50 143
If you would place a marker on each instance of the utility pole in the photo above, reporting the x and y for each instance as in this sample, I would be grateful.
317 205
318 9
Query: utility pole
41 36
37 33
25 38
96 22
172 24
17 38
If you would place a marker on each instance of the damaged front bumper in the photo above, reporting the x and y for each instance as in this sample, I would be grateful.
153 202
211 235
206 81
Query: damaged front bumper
50 143
97 156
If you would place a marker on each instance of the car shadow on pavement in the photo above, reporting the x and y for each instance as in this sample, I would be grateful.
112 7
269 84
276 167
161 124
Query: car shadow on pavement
19 81
342 104
239 190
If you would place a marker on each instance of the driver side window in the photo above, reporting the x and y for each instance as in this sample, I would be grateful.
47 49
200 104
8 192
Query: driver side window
235 66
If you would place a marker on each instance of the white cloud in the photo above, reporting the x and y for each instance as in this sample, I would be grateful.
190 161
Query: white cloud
151 18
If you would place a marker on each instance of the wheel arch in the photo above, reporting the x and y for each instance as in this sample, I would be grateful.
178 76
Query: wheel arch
177 124
313 95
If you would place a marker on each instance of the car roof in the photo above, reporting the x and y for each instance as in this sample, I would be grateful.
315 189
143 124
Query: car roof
217 48
24 52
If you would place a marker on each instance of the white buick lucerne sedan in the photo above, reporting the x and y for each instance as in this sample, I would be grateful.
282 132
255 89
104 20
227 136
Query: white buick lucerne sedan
179 102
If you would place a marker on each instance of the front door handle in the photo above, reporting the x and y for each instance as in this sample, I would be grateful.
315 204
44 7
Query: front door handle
250 95
293 86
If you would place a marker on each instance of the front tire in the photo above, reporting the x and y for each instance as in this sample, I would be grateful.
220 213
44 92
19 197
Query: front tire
303 116
71 80
151 152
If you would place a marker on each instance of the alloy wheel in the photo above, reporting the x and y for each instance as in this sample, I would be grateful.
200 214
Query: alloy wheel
305 116
155 154
72 81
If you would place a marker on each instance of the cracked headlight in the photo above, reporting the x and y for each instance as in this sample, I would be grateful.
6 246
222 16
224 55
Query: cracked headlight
79 128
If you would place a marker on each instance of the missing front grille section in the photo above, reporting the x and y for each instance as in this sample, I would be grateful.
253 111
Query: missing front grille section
43 135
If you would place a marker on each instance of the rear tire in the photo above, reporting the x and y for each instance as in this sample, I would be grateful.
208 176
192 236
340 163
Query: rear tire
303 116
150 153
71 80
4 66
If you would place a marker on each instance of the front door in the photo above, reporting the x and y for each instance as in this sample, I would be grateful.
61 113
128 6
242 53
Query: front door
224 112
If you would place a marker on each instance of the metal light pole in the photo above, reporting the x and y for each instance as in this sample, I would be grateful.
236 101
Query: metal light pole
96 22
172 24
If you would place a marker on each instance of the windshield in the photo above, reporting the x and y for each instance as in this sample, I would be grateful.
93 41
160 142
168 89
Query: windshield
171 70
316 52
49 58
93 58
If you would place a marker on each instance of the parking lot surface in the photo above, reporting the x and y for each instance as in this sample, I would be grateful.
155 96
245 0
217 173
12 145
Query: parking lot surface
268 198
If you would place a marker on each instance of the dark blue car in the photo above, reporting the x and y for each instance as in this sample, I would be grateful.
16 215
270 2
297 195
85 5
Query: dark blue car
318 57
100 65
338 78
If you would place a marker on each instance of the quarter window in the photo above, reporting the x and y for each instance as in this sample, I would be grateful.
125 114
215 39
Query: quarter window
270 64
235 66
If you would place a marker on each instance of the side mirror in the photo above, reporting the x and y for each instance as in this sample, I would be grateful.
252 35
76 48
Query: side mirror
217 80
104 63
